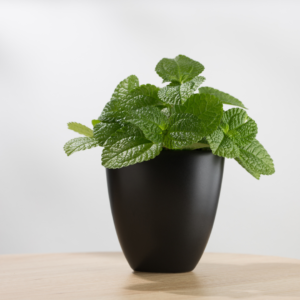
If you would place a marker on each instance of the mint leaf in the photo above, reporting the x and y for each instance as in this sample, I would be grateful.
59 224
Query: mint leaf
79 144
103 131
236 129
197 81
207 108
111 112
223 97
179 93
128 146
125 87
254 157
184 129
195 146
123 133
111 109
222 145
203 141
181 69
166 111
247 168
79 128
151 121
241 129
94 122
143 96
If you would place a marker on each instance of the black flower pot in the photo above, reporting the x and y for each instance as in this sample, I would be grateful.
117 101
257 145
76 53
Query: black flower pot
164 209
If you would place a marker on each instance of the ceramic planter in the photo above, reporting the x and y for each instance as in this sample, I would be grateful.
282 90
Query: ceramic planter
164 209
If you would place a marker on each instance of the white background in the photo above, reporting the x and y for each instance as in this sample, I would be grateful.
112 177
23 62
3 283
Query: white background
61 60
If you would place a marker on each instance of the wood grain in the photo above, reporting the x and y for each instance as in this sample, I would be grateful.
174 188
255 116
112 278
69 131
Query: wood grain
107 276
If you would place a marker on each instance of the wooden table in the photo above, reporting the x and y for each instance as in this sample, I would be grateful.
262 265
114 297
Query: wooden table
107 276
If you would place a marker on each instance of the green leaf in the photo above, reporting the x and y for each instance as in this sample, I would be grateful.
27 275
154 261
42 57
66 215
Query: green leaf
103 131
222 145
254 157
124 132
181 69
143 96
195 146
151 121
179 93
79 128
236 129
184 129
166 111
79 144
128 146
125 87
247 168
196 81
94 122
223 97
207 108
203 141
241 129
111 111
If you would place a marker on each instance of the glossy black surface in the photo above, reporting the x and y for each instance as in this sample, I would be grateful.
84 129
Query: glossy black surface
164 209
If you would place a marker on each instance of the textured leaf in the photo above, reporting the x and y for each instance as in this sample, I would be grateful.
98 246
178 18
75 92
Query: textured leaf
103 131
207 108
222 145
203 141
128 146
236 129
79 144
254 157
166 111
241 129
181 69
111 112
195 81
125 132
247 168
94 122
79 128
151 121
179 93
125 87
195 146
143 96
184 129
235 117
223 97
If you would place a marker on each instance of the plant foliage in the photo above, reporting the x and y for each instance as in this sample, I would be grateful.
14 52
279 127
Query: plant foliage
141 120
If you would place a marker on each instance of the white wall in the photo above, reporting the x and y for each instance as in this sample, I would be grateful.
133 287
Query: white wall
61 60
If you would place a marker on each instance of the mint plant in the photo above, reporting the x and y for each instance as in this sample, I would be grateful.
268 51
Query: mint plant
141 120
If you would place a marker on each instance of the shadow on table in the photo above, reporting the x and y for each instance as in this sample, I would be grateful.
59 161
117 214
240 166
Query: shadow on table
225 280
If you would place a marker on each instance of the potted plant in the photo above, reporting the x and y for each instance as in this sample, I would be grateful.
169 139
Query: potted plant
164 151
